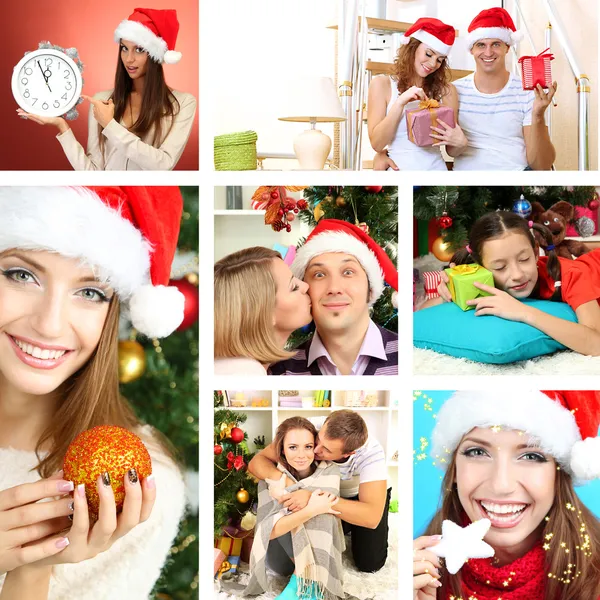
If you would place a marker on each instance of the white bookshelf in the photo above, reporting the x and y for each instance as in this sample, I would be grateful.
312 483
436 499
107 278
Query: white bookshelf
381 420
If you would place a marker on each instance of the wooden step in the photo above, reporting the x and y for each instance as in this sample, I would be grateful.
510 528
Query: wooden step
382 25
382 68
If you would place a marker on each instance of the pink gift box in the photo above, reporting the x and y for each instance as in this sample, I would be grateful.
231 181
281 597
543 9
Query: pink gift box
219 558
420 120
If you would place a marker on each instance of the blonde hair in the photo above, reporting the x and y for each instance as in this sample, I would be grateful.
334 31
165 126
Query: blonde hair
244 306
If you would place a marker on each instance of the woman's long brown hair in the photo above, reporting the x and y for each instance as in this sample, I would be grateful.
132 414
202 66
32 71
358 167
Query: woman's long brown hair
435 85
158 102
89 398
289 425
578 528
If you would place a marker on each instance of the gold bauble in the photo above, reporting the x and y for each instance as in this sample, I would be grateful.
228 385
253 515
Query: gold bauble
132 361
340 201
441 249
318 212
242 496
328 198
192 278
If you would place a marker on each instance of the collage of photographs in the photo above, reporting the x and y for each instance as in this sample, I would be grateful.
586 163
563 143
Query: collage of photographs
246 236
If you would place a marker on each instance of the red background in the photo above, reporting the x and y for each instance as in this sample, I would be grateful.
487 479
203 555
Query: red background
90 28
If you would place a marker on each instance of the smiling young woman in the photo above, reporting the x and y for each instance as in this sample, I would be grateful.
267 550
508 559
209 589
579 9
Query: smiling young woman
69 258
514 459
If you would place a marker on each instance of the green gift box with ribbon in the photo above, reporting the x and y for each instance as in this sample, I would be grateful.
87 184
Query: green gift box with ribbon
461 280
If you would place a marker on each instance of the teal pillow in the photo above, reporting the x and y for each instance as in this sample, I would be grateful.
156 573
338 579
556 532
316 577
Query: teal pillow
488 339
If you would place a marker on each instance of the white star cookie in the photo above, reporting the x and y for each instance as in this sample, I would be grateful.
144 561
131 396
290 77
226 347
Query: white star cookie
458 544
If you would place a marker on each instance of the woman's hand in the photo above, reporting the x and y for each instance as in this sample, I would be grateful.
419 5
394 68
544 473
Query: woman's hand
425 568
103 111
500 304
442 287
381 162
86 542
322 503
28 527
58 122
449 136
412 93
276 487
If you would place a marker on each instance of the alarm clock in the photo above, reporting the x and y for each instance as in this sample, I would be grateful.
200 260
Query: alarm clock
46 82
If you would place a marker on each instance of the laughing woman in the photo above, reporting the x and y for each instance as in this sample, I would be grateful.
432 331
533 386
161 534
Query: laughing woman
141 124
514 459
69 257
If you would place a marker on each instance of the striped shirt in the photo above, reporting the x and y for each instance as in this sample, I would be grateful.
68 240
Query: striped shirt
376 365
365 465
493 125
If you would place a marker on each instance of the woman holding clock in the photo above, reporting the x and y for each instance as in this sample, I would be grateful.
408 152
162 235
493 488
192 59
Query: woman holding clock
141 124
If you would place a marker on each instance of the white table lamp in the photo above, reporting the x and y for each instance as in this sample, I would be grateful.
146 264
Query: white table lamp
313 100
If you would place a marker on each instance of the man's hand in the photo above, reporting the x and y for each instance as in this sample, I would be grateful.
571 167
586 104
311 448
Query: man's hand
295 501
542 99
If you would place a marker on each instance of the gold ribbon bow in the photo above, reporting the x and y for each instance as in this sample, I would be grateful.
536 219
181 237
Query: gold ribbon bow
225 567
428 104
465 269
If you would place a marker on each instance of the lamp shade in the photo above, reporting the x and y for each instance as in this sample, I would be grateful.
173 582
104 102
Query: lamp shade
313 99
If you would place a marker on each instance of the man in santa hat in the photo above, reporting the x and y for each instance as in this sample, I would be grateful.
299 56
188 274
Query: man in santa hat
346 271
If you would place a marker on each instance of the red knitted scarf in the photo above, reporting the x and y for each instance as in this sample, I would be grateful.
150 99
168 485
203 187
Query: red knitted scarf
523 579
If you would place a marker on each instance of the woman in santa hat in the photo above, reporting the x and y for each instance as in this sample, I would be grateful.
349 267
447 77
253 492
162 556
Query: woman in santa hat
420 72
511 462
70 258
141 124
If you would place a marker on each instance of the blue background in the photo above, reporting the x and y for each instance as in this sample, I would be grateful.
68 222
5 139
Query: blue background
428 478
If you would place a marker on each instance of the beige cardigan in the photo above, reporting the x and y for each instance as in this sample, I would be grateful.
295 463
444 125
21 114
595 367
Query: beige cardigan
124 151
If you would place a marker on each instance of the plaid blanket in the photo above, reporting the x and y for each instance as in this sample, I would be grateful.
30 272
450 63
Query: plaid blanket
318 543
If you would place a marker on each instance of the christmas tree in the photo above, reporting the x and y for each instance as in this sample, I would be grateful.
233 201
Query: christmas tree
372 208
165 395
235 490
457 208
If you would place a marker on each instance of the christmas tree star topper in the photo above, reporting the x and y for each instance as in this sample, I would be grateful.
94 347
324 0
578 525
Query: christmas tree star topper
458 544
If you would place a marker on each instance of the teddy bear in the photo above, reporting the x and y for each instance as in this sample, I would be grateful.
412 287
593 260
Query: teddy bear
556 219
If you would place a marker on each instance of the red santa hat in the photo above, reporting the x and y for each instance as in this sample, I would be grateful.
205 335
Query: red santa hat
334 235
493 23
564 424
128 235
153 30
432 32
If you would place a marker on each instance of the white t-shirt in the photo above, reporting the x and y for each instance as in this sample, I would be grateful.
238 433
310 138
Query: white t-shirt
493 125
366 464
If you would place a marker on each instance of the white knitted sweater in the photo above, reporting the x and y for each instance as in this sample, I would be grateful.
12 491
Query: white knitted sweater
130 568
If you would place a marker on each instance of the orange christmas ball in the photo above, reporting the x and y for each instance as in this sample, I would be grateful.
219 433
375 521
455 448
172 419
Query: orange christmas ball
441 249
105 449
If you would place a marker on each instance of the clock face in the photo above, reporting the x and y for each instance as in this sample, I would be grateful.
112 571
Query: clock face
46 83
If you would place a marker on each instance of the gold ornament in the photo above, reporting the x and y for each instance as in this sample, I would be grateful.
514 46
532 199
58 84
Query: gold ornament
242 496
340 201
328 198
192 278
132 361
226 430
318 212
441 249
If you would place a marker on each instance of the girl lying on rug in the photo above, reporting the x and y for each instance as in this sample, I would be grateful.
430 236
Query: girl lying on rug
308 542
510 474
503 243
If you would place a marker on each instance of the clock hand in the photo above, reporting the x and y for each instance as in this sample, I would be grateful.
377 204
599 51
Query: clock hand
44 76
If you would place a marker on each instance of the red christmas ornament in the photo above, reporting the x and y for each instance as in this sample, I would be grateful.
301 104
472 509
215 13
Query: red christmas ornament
374 189
593 204
237 435
364 227
274 195
105 449
445 221
191 307
236 462
218 449
302 204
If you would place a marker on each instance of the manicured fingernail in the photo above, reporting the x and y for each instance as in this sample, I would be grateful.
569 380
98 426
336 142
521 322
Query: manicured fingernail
132 475
65 486
81 490
150 483
106 478
436 583
71 505
436 537
62 542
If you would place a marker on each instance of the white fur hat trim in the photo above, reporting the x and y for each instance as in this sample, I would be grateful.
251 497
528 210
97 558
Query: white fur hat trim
551 424
156 311
338 241
494 33
132 31
430 40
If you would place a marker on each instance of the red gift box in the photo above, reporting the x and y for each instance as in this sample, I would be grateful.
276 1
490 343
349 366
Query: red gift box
536 70
432 279
420 120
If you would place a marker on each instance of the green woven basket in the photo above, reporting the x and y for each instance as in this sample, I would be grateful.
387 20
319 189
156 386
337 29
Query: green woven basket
236 151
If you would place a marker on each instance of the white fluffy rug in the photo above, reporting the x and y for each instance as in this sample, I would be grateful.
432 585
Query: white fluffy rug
382 585
566 362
